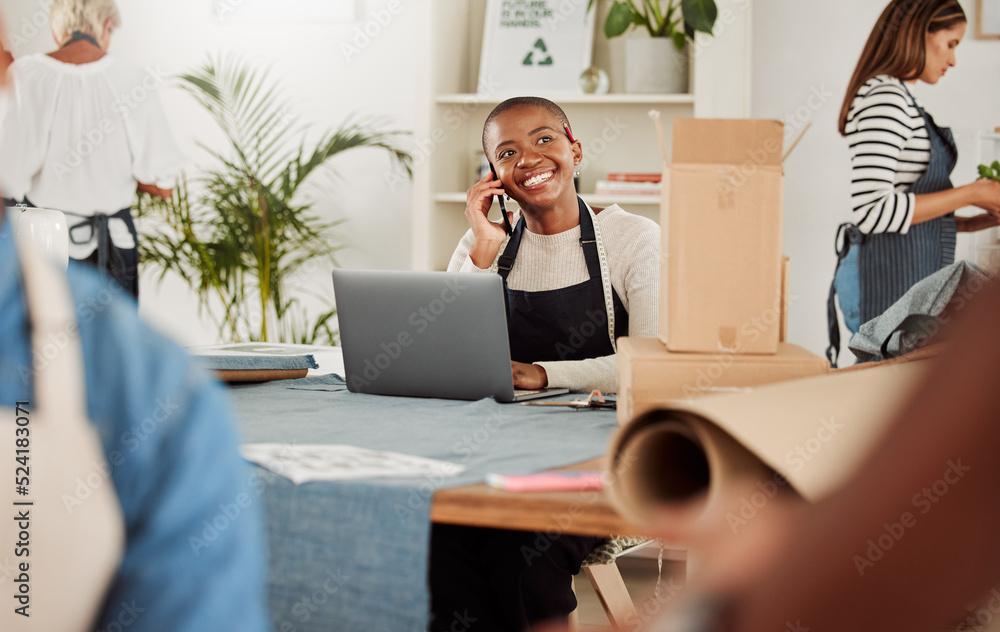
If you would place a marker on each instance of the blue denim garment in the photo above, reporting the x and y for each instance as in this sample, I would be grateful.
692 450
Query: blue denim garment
848 284
196 556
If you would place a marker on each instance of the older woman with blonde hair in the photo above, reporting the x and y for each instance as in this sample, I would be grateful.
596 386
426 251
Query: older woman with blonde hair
84 130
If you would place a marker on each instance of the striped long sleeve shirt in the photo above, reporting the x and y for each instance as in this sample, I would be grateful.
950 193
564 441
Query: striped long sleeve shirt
890 150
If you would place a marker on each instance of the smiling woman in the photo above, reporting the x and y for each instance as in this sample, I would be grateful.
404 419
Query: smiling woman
565 266
576 279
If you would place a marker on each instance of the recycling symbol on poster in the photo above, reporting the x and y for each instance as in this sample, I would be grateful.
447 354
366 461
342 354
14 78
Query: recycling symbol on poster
543 59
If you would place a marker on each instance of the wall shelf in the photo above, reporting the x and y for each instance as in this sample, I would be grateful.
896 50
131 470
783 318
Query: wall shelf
615 129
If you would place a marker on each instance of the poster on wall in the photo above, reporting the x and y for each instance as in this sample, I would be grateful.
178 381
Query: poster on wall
988 19
287 11
538 46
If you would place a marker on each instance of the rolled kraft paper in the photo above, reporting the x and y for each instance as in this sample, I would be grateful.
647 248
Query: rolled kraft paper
676 469
698 458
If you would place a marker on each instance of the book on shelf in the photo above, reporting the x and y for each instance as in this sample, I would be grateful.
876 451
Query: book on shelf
631 189
635 177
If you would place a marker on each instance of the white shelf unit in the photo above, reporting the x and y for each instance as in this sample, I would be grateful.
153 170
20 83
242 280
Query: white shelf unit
988 241
615 128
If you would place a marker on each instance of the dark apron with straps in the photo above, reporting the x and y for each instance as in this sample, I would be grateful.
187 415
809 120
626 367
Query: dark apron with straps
121 264
570 323
889 264
566 324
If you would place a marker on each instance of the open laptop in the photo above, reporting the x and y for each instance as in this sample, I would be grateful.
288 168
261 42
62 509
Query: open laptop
426 334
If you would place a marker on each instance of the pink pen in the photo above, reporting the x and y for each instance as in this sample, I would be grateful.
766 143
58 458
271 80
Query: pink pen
569 133
548 481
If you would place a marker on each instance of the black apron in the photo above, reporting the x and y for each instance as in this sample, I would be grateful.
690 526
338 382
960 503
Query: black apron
121 264
570 323
889 264
484 573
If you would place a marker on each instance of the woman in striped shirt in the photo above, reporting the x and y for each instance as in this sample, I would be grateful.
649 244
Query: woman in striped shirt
903 226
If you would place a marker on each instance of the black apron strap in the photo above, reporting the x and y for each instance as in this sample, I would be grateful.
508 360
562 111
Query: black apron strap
847 235
506 261
588 241
98 225
80 36
833 325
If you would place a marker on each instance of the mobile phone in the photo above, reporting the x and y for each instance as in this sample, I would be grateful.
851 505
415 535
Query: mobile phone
503 207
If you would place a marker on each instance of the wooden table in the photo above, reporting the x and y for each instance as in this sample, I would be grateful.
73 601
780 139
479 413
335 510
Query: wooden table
579 512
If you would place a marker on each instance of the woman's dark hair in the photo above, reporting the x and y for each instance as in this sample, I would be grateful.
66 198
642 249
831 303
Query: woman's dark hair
510 104
897 45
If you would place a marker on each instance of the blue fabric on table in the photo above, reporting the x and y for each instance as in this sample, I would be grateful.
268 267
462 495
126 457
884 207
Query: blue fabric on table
224 362
376 533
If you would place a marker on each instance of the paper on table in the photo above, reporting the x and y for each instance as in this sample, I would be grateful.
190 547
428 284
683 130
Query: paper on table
305 463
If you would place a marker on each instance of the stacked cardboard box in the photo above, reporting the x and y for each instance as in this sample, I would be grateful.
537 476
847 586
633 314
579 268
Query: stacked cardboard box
724 282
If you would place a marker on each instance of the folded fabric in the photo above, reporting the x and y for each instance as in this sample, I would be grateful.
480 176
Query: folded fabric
914 320
328 383
243 362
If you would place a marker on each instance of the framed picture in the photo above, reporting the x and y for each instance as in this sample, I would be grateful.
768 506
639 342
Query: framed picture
285 11
535 46
988 19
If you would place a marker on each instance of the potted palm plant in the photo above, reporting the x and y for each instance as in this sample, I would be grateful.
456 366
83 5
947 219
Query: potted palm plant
249 240
658 63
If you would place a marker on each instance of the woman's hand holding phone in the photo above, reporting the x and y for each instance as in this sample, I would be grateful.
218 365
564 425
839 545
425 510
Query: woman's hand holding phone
489 235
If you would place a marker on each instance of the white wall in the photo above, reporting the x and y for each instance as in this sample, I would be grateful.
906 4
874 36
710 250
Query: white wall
176 35
804 54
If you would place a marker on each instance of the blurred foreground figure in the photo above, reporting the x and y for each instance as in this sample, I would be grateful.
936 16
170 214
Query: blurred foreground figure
909 543
194 549
184 546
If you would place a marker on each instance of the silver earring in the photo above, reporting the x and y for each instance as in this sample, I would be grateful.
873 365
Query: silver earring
576 173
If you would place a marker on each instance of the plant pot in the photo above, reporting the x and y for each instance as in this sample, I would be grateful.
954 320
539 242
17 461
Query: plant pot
653 65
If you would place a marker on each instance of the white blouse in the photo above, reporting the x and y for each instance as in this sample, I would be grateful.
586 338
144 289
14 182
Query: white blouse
78 139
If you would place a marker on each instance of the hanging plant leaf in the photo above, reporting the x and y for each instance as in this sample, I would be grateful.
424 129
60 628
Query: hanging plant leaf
699 15
619 19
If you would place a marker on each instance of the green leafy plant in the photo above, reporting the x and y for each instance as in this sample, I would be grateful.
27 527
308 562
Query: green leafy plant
990 171
248 241
677 19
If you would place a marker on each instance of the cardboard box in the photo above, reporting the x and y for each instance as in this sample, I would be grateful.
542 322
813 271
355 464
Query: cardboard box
786 296
721 276
650 376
